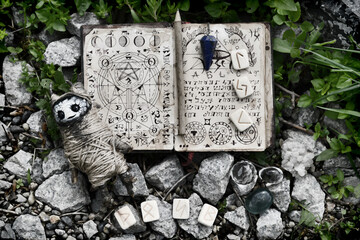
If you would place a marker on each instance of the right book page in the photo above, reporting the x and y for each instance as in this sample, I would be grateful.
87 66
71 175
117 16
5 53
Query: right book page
208 98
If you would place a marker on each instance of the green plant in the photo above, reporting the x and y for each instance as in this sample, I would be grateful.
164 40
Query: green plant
19 183
28 176
53 14
336 186
102 10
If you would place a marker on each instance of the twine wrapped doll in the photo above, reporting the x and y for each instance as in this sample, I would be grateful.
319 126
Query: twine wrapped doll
88 143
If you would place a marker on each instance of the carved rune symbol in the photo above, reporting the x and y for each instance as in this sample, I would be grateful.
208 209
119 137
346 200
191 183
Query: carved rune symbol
242 121
209 214
241 87
147 209
238 58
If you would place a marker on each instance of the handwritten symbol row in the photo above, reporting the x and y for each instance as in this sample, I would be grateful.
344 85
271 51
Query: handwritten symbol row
150 213
110 41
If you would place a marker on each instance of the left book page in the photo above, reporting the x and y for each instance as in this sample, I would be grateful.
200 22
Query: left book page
129 71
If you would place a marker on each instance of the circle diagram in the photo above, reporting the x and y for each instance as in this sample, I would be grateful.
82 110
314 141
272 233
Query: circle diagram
248 136
195 133
220 133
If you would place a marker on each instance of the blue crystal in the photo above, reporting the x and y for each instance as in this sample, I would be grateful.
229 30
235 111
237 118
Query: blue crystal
258 201
208 44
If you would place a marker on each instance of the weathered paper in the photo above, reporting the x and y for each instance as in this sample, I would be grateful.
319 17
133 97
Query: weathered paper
210 98
128 71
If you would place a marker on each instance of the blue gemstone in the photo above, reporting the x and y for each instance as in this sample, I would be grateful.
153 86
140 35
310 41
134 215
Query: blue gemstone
258 201
208 44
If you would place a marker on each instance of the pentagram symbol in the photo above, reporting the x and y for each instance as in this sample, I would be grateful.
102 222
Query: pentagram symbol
248 136
220 133
195 133
127 88
127 74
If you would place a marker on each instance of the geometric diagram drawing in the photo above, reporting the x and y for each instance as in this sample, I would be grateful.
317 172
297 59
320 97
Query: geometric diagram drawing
220 133
248 136
129 88
195 133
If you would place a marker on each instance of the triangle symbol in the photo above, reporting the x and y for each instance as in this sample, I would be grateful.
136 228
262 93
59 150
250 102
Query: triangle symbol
244 118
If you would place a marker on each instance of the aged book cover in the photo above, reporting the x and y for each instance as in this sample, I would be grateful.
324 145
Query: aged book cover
130 71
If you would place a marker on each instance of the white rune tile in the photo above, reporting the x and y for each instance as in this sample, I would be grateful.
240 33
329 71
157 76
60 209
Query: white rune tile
241 119
125 217
181 208
150 211
243 87
207 215
239 59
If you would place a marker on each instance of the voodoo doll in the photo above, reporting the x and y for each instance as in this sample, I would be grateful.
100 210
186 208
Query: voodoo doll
88 143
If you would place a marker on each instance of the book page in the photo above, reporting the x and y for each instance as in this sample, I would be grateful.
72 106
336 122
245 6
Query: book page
209 96
128 71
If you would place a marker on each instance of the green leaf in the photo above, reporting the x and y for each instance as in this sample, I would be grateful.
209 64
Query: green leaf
46 83
307 218
16 50
304 101
340 175
350 188
39 4
307 26
294 16
82 6
318 84
295 53
357 191
43 15
184 5
327 154
214 9
28 176
281 45
344 111
344 81
279 19
134 16
325 178
59 26
251 5
289 35
288 5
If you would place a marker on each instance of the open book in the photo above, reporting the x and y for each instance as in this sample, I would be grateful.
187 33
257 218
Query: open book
132 71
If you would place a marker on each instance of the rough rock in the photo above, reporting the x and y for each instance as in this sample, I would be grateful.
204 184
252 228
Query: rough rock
139 187
124 237
213 177
59 192
281 194
2 101
90 228
298 151
56 162
238 217
65 52
76 21
340 162
340 17
166 224
36 121
8 233
138 227
165 174
336 125
15 92
4 185
269 225
47 38
191 225
307 115
29 227
307 189
19 164
295 215
100 201
36 173
351 181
